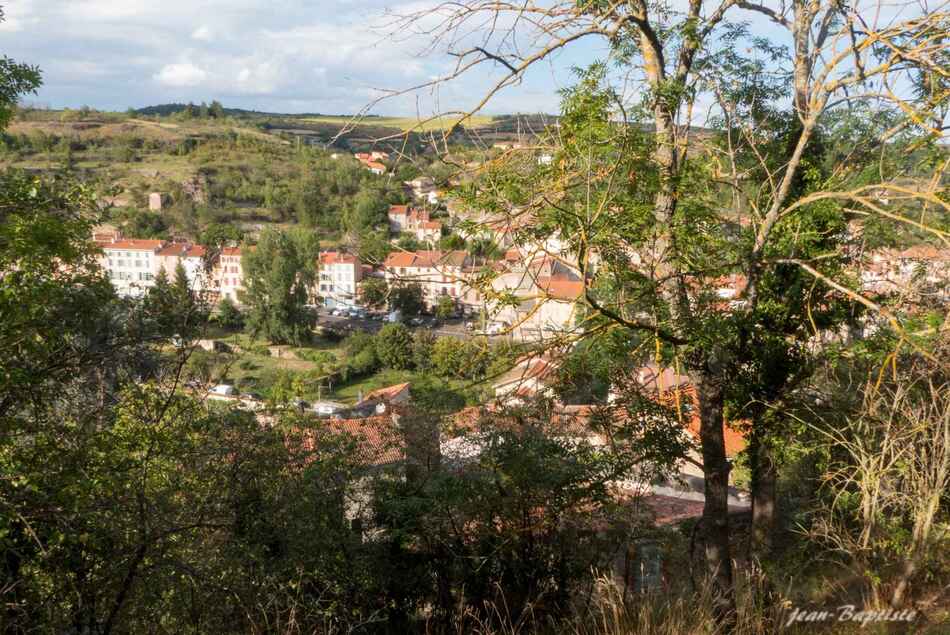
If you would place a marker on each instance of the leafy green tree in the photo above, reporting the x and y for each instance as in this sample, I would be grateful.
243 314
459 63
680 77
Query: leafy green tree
514 524
218 234
374 292
408 242
374 246
366 212
422 342
229 316
216 110
449 357
407 299
451 242
278 274
445 308
175 307
394 346
16 80
670 221
361 355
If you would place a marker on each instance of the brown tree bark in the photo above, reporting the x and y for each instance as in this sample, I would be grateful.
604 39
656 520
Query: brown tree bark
763 495
715 519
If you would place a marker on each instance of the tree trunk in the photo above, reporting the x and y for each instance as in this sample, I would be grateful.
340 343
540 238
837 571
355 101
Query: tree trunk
763 495
715 518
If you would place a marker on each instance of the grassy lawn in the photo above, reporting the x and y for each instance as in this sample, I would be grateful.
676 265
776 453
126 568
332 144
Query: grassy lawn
349 392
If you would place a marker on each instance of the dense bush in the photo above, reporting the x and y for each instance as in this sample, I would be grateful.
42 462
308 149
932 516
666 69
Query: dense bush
394 346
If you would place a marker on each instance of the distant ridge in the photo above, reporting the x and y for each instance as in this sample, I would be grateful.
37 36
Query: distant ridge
174 108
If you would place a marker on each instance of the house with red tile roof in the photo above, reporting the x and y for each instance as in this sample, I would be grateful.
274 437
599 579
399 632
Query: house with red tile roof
439 273
530 377
390 395
550 294
130 263
406 219
228 274
194 260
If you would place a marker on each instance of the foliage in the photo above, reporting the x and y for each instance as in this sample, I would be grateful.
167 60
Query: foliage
16 80
220 234
506 526
423 342
445 308
177 309
374 292
407 299
229 316
51 277
278 272
394 346
361 356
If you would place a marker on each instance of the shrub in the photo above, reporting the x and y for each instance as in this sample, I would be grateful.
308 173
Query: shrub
394 346
422 343
448 357
229 316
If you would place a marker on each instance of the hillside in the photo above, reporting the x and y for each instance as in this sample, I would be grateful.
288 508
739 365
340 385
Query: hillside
225 176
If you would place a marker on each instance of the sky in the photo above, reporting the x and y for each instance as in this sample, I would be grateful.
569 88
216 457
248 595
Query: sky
325 56
289 56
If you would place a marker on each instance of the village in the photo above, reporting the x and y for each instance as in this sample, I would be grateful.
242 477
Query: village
535 299
596 318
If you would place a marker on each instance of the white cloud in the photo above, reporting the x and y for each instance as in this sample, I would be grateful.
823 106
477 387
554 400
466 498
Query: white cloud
303 58
181 75
202 33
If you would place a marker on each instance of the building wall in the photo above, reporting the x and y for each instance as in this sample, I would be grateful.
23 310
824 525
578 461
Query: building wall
132 271
229 277
338 282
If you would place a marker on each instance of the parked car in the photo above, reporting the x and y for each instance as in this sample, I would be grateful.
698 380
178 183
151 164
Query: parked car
469 326
336 312
416 321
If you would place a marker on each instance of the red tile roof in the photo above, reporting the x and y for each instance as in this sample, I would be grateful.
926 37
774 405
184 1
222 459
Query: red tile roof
231 251
173 249
334 257
426 259
561 288
135 244
400 259
389 392
377 438
398 210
